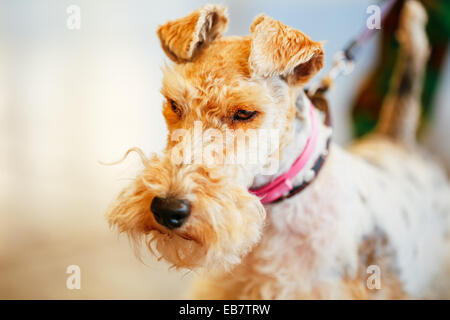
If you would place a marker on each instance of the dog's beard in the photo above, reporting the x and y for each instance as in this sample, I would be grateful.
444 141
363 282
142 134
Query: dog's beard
225 222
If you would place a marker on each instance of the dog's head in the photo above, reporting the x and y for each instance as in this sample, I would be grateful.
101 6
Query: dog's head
222 94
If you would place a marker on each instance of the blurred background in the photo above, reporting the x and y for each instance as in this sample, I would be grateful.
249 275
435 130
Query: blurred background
72 98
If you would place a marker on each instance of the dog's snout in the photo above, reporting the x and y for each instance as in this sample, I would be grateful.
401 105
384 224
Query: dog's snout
170 212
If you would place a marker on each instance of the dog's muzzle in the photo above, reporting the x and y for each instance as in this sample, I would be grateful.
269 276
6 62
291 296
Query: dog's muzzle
170 212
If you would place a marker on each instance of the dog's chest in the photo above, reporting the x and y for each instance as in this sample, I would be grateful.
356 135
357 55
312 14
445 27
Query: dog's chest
391 214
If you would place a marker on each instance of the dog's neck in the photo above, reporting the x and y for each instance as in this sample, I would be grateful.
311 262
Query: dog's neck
279 228
300 132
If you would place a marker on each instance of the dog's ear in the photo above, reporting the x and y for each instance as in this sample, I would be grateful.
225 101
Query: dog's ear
183 38
277 49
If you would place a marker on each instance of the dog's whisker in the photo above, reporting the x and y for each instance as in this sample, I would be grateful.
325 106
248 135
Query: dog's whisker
137 150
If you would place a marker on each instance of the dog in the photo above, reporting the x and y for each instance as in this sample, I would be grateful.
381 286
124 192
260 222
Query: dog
367 222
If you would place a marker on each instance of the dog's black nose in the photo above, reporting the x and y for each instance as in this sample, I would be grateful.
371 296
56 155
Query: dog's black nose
170 212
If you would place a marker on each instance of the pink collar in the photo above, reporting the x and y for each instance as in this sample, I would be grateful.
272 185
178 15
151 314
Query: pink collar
283 184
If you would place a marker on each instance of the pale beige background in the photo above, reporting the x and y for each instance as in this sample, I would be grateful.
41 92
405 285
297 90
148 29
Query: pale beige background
69 99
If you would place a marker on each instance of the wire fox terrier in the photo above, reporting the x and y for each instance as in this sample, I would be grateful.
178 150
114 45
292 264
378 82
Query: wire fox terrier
378 208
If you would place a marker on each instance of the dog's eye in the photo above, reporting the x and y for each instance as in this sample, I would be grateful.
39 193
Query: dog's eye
241 115
175 108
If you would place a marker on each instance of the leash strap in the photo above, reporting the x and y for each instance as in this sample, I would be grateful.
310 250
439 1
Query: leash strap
343 61
366 33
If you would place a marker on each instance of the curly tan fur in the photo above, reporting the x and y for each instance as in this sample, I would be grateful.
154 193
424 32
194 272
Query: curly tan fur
183 38
281 50
378 203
